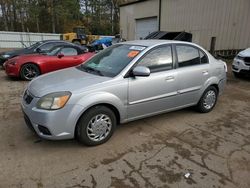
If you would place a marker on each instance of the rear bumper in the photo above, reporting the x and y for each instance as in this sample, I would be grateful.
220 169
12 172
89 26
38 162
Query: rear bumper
222 85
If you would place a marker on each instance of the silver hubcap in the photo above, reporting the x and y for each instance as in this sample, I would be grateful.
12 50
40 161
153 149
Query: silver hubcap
209 99
30 72
99 127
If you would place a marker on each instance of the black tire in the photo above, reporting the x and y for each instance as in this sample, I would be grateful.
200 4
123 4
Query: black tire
82 131
29 71
202 106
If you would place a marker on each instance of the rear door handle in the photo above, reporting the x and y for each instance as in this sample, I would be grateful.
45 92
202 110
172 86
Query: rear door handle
205 72
169 78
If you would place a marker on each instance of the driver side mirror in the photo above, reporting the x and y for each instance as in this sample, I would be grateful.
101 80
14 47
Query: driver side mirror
141 71
60 55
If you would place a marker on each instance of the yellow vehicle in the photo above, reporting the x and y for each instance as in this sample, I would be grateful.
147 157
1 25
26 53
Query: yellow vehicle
78 36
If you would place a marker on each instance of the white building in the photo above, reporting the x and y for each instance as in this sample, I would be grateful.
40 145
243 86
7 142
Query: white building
227 22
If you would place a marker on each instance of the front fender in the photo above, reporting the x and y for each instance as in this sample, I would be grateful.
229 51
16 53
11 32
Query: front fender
103 98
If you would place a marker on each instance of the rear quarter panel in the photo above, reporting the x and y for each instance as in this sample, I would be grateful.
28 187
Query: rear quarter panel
217 74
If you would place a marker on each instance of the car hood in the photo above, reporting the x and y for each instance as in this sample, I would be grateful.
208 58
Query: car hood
15 52
245 53
28 56
32 55
70 79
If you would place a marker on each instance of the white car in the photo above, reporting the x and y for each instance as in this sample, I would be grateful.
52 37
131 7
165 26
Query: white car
241 64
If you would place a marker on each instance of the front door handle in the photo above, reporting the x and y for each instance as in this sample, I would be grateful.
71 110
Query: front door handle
205 72
169 78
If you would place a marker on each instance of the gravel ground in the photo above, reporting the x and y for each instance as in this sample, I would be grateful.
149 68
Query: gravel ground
154 152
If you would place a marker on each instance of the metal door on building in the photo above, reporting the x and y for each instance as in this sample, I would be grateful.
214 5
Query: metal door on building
145 26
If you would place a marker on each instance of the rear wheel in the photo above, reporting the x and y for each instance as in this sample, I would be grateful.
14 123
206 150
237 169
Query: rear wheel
96 126
29 71
208 100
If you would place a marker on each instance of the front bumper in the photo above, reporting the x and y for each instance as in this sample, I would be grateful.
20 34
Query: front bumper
239 66
53 125
11 70
2 60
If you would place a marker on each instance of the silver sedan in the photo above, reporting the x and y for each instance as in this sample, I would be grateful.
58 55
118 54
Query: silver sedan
125 82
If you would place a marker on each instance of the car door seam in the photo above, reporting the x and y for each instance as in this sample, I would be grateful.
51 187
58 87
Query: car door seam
154 98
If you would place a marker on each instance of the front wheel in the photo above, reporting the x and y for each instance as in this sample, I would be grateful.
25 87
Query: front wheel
208 100
29 71
96 126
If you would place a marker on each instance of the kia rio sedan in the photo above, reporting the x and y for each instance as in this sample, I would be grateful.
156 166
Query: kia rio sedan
125 82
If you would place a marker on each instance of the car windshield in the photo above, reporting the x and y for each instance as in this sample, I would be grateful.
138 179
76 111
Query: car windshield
54 51
111 61
34 45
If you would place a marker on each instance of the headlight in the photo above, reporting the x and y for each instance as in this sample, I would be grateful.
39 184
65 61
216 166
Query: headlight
54 101
6 56
240 57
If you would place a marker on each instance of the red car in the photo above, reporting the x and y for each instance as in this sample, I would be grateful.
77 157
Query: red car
30 66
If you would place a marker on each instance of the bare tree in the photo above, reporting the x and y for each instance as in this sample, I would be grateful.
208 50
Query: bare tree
4 13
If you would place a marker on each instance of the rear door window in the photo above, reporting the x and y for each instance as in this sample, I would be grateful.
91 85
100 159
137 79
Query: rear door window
203 57
187 55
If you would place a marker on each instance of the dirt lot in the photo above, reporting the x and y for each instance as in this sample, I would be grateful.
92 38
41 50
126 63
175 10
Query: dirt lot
154 152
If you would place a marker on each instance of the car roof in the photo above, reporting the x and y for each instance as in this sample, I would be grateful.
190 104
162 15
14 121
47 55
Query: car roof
70 45
52 40
151 42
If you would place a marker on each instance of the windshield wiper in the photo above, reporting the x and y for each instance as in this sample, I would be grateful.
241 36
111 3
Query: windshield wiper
90 69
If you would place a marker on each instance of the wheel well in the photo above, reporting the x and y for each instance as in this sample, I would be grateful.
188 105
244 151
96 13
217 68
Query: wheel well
30 63
216 86
113 108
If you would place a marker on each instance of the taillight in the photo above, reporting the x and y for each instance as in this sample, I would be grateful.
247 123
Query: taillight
225 66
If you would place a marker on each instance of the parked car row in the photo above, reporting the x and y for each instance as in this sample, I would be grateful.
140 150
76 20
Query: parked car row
38 47
30 66
49 55
43 57
122 83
